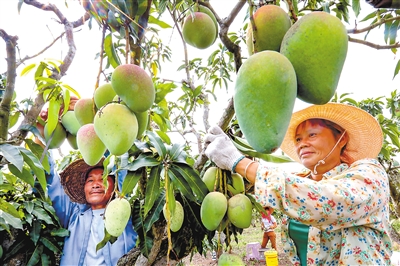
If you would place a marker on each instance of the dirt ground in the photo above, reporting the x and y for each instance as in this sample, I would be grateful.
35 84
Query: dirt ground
199 260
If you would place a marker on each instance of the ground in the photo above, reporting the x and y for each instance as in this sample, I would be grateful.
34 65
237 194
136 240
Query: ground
254 234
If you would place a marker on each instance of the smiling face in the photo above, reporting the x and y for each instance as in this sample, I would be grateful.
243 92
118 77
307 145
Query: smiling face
95 192
314 141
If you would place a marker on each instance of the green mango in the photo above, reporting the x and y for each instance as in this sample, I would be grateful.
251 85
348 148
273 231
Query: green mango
59 136
72 141
143 121
229 259
117 127
209 177
103 94
206 10
85 110
264 97
177 216
199 30
213 209
272 23
134 86
116 216
90 145
237 184
70 122
317 47
240 211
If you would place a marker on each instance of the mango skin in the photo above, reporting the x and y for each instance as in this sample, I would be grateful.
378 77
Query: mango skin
206 10
103 94
264 97
209 177
199 30
213 209
317 47
85 110
272 23
72 141
237 184
177 216
117 127
117 216
70 122
134 86
143 121
227 259
240 210
90 145
58 138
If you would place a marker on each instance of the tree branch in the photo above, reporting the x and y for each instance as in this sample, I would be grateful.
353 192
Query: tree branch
372 26
373 45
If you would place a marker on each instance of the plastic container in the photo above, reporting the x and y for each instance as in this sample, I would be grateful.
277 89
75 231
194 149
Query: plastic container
271 257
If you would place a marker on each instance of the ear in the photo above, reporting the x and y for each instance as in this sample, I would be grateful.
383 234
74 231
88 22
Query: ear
344 140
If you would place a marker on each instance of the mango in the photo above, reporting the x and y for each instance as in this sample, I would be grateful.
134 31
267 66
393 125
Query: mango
103 94
117 127
199 30
209 177
85 111
70 122
134 86
58 138
237 184
177 216
90 145
264 97
213 209
72 141
272 23
206 10
240 210
116 216
229 259
316 45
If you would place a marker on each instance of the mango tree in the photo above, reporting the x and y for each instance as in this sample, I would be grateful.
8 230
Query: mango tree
164 179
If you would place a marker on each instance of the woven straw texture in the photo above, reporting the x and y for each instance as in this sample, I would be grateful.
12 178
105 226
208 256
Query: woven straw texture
365 134
73 179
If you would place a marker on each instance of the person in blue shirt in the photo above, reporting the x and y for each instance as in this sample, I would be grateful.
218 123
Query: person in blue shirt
79 198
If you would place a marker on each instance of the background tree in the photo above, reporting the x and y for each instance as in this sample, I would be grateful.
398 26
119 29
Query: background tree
161 169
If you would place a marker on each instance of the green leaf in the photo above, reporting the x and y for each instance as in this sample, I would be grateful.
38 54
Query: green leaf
50 245
13 155
397 68
163 136
35 166
142 161
25 175
8 208
356 7
103 242
45 260
181 184
34 234
177 153
157 144
194 180
130 182
393 31
109 48
35 258
158 22
27 69
152 188
61 232
41 214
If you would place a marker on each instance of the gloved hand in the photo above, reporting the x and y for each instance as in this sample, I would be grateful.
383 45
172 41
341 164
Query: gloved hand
221 150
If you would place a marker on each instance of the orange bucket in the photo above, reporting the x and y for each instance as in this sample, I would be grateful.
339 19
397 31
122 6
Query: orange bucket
271 257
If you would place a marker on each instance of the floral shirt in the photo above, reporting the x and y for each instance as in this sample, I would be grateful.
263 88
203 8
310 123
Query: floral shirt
347 211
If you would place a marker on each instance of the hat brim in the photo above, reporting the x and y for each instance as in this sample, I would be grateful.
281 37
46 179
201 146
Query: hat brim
364 131
73 179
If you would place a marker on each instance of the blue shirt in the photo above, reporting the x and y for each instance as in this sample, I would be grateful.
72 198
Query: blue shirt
77 218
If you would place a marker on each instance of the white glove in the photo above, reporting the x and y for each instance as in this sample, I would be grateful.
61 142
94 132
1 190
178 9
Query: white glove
221 150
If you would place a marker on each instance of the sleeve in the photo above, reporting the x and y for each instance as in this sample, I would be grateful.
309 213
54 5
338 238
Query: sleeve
357 196
60 201
384 3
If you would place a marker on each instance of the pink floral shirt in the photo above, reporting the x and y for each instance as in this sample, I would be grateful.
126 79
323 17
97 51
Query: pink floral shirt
348 212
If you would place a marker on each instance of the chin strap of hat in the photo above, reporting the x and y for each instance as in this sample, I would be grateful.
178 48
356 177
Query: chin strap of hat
323 160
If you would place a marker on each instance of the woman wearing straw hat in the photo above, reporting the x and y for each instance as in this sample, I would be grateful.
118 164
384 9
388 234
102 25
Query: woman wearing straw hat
337 210
79 198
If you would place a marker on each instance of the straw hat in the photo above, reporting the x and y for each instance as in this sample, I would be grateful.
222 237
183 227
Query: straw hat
365 133
73 179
